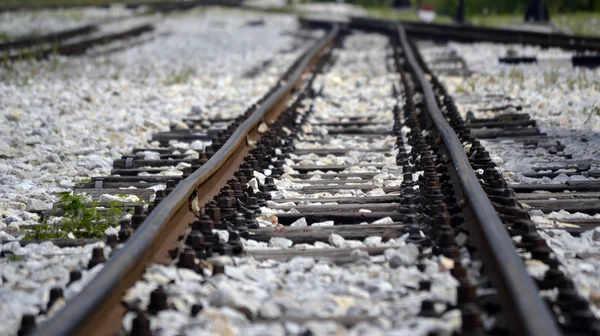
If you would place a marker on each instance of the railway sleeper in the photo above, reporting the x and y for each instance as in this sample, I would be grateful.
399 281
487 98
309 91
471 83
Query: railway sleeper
571 319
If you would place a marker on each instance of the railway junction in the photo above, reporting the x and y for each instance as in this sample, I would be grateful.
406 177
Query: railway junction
207 168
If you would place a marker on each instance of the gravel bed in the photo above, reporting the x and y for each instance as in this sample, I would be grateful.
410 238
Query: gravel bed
335 11
22 24
68 119
361 91
565 102
556 94
375 295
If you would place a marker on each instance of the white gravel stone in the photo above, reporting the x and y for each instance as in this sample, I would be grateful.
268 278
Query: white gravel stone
36 205
301 263
24 23
336 240
223 235
68 119
325 223
386 220
317 291
270 310
280 242
299 222
373 241
563 101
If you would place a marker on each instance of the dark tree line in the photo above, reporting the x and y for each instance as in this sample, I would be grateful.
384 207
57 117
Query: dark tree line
515 6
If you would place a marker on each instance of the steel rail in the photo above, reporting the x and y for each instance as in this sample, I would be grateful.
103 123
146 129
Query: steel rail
519 294
95 298
78 47
156 5
57 37
471 34
467 33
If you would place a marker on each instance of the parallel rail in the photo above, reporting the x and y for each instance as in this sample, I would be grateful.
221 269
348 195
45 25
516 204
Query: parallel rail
155 5
519 293
53 38
79 47
87 313
466 33
471 34
42 47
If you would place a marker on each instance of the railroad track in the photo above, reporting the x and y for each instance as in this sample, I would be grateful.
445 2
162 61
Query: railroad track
146 168
163 6
77 41
54 38
320 177
547 189
515 202
468 34
69 43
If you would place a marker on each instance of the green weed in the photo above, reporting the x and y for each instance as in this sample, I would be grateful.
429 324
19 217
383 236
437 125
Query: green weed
551 77
582 79
54 56
471 85
517 75
14 258
182 76
80 218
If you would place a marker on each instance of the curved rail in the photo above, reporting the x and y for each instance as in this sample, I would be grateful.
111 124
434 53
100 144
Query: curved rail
470 34
86 311
519 294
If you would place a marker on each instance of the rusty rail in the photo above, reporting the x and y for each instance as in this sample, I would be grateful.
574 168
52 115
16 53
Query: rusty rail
471 34
88 312
522 303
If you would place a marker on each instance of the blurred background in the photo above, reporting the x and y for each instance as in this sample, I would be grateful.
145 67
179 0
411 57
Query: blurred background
580 17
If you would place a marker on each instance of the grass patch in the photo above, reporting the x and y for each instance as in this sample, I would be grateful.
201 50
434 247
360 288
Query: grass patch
4 37
517 75
14 258
403 15
582 80
181 77
80 218
552 76
579 23
496 20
